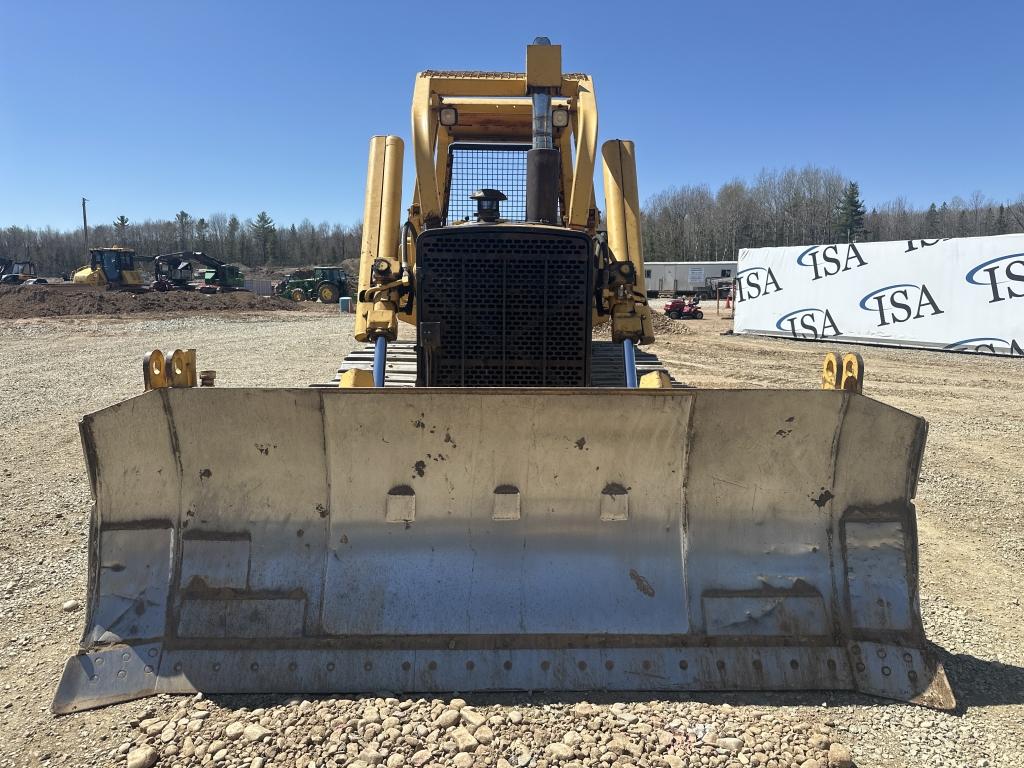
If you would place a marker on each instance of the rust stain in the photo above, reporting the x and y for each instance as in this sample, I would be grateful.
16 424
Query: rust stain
642 584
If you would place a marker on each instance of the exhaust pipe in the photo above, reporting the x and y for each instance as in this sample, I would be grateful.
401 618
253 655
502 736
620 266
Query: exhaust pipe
542 162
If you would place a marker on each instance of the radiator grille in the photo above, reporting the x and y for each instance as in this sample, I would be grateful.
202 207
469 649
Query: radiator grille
513 303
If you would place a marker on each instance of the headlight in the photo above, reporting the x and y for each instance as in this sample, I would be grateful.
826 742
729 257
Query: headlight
449 116
560 117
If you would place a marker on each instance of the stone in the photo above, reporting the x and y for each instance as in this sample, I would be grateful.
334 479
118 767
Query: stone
672 761
839 756
471 718
457 703
371 715
71 606
395 760
812 763
584 709
465 740
371 757
484 734
447 718
154 727
142 757
524 758
234 730
731 743
515 717
253 732
421 758
503 763
558 751
221 754
257 762
819 741
463 760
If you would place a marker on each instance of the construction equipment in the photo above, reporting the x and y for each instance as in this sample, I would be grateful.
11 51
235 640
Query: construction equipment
219 276
173 272
328 284
17 272
112 268
505 504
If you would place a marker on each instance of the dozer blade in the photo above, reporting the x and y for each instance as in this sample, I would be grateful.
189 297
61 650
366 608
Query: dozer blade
356 540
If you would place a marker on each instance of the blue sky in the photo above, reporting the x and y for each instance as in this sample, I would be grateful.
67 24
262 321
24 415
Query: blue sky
148 108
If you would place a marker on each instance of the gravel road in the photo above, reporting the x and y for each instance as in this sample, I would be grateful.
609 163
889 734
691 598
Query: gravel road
972 553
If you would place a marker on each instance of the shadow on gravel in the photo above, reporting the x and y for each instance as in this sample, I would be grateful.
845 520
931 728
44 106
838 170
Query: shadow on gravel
981 683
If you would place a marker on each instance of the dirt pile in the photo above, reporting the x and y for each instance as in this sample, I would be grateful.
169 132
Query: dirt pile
663 326
59 301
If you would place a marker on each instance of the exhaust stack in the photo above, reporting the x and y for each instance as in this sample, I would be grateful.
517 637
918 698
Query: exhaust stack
543 72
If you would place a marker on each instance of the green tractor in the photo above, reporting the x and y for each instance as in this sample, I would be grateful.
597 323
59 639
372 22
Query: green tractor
328 284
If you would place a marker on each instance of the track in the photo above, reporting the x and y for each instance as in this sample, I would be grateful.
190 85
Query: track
607 368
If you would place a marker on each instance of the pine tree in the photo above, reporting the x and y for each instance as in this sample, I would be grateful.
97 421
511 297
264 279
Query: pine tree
233 226
1001 224
263 231
121 228
850 213
931 222
184 230
202 234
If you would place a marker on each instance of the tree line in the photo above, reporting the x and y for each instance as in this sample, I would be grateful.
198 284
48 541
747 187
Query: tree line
690 223
255 242
804 207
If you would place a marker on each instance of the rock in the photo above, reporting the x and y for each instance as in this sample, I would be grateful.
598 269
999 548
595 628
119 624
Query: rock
395 760
253 732
524 758
471 718
584 709
71 606
558 751
503 763
220 755
672 761
234 730
819 741
463 760
625 714
143 757
839 756
464 739
421 758
447 718
731 743
457 703
571 738
371 715
515 717
257 762
484 734
371 757
152 727
812 763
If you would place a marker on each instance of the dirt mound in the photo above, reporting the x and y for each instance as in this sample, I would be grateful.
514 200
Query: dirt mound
663 326
58 301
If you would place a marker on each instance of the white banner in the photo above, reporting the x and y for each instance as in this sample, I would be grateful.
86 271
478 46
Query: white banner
963 294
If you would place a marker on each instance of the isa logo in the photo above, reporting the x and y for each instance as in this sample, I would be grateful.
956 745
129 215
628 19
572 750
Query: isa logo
900 303
1003 275
809 323
827 261
754 282
986 345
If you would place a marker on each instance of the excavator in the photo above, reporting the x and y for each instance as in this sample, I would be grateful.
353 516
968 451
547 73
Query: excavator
499 500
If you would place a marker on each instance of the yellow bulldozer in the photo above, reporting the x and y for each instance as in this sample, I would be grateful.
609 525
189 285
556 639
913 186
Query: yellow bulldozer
112 268
507 502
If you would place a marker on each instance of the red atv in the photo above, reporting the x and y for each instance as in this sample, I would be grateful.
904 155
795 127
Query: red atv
684 309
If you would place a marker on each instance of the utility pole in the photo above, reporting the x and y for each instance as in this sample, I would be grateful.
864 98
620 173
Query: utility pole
85 224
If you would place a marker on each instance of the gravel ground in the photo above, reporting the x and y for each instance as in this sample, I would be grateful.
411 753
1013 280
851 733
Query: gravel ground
971 555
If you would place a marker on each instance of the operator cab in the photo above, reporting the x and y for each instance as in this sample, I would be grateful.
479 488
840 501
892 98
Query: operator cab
113 262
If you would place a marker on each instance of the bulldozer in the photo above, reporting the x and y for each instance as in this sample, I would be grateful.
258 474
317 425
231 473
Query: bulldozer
505 502
112 268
